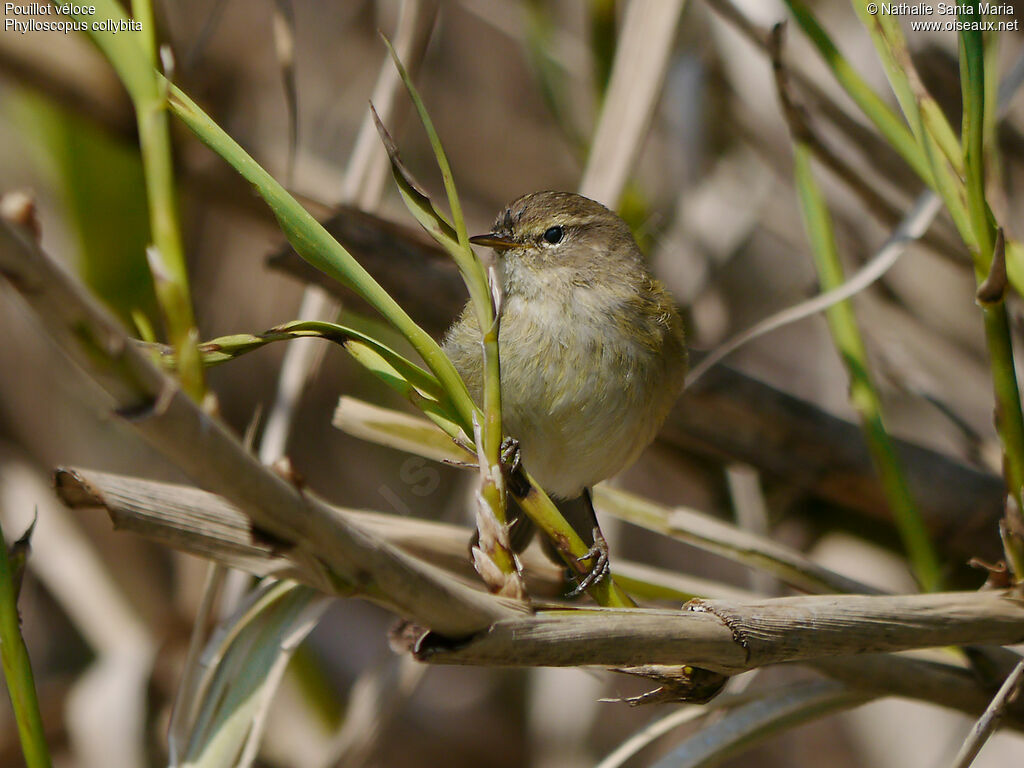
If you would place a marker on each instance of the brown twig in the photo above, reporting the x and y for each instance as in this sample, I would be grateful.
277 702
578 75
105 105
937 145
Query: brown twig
986 725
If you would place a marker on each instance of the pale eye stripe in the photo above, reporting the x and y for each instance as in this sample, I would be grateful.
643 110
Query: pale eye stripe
583 221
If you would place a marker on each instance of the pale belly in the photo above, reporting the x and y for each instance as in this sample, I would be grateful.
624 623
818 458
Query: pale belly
582 405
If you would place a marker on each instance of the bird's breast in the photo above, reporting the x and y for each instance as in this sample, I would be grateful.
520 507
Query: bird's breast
579 391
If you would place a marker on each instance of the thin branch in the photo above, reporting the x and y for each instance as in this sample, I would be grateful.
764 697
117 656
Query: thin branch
988 722
914 224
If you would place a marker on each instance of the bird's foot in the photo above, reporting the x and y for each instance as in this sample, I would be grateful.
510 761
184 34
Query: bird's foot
600 567
511 458
512 467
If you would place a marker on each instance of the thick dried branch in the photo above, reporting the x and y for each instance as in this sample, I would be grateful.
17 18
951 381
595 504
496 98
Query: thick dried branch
204 524
732 637
731 414
201 447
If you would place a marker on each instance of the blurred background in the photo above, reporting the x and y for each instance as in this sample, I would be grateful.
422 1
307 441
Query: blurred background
515 90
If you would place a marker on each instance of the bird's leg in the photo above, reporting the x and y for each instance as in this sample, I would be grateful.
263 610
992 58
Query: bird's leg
521 528
598 552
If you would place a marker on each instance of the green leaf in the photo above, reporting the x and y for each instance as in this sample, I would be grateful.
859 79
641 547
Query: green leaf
871 104
103 191
314 244
931 131
17 665
439 153
246 658
432 220
438 411
401 374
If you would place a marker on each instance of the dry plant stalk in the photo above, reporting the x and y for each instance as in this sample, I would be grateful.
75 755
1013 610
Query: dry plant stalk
732 637
734 633
205 525
288 516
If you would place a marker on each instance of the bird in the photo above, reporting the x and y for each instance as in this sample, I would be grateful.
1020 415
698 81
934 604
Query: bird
591 348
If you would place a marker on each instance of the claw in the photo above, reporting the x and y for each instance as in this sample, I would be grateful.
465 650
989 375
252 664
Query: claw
512 467
601 567
511 458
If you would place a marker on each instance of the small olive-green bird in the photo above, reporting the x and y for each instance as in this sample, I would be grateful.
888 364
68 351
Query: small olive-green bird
591 345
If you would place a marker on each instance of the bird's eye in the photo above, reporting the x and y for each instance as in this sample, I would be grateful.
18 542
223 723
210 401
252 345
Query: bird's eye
553 235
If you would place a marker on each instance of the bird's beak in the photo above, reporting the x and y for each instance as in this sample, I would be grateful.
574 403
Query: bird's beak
492 240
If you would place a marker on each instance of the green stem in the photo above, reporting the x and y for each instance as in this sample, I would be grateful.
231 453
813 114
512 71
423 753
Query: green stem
863 394
136 66
494 494
314 244
475 276
492 428
972 83
931 131
142 10
545 515
18 669
1009 419
885 120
